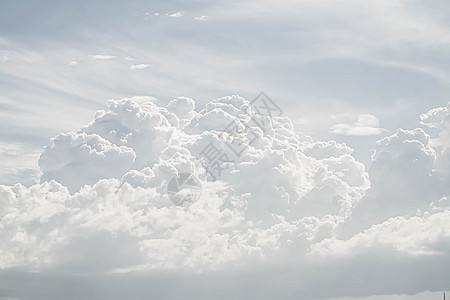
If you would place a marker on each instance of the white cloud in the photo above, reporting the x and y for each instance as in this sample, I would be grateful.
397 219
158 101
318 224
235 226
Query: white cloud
183 107
406 174
439 118
279 185
202 18
367 120
403 177
3 59
102 57
140 66
285 199
129 58
176 15
366 125
73 63
79 158
418 235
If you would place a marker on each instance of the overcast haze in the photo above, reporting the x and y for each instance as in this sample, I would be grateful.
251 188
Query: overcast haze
342 193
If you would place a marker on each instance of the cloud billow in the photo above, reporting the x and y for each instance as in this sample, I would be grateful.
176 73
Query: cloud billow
102 204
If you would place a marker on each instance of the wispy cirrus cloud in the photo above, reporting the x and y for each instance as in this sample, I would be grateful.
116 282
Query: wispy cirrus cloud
178 14
102 57
140 66
202 18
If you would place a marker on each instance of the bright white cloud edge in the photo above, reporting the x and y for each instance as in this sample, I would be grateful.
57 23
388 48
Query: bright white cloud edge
112 145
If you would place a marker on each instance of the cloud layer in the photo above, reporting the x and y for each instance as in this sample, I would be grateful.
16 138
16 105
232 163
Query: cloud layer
102 205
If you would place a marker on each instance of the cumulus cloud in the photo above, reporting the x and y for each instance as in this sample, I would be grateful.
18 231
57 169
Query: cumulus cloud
403 179
73 63
140 66
183 108
425 233
109 179
439 118
102 57
279 198
80 158
366 125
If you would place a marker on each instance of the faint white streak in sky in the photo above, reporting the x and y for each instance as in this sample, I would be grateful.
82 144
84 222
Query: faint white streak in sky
177 14
202 18
102 57
140 66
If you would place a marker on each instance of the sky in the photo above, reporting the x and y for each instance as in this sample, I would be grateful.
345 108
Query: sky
103 103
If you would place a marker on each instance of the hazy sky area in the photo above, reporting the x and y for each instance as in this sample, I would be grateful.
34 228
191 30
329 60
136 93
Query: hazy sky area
315 209
324 62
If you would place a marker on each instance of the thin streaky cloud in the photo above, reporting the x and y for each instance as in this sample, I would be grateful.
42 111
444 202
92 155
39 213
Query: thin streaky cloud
177 14
202 18
140 66
102 57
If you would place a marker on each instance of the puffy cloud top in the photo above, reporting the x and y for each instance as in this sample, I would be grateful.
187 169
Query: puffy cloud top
117 168
103 204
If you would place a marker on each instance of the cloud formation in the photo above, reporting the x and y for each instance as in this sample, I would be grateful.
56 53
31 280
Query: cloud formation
102 205
102 57
202 18
366 125
284 182
178 14
140 66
